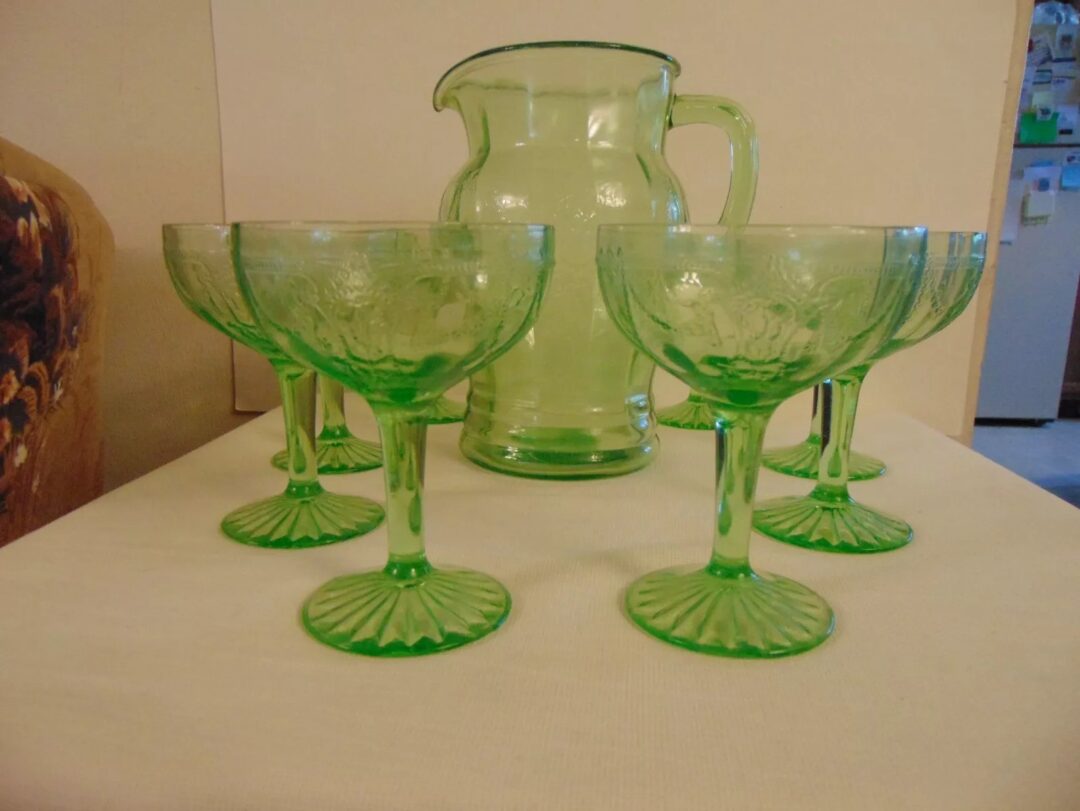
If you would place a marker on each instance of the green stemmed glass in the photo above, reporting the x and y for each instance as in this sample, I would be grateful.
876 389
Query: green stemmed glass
749 316
336 449
829 518
201 269
398 313
695 414
803 458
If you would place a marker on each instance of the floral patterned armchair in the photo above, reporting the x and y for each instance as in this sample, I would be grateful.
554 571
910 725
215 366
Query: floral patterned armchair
55 252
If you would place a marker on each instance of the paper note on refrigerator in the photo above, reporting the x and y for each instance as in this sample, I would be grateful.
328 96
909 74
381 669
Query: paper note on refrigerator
1047 170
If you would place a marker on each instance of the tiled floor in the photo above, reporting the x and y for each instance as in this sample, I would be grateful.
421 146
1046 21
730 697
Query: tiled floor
1048 455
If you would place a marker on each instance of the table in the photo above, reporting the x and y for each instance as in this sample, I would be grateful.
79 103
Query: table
146 662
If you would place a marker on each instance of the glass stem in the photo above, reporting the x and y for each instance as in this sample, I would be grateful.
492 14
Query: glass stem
333 403
739 437
404 436
695 398
298 405
815 416
839 400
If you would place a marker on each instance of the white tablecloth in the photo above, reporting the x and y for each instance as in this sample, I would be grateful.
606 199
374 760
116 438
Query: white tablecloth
146 662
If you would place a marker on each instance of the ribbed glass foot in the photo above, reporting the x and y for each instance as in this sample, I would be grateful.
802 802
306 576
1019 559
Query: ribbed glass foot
692 413
444 411
832 526
802 460
339 455
381 613
748 616
300 521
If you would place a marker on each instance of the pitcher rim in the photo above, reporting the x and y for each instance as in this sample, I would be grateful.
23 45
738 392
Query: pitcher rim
553 43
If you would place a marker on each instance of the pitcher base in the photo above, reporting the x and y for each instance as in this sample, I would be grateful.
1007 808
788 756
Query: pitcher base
554 464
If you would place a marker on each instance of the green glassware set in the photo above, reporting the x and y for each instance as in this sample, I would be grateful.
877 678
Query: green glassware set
559 328
199 258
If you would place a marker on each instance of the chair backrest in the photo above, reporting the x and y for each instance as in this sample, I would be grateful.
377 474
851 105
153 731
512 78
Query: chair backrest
56 251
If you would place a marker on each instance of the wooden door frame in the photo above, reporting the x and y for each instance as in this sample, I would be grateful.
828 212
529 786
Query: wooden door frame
999 194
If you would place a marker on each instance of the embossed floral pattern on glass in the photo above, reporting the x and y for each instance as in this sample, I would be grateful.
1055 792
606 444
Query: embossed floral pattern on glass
748 317
829 518
200 266
398 313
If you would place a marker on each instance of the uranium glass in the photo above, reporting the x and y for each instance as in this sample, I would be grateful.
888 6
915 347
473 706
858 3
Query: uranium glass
747 317
201 269
398 313
802 459
572 133
336 449
445 410
694 413
829 518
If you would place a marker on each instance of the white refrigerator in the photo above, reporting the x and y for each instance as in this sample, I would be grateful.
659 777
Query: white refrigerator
1034 298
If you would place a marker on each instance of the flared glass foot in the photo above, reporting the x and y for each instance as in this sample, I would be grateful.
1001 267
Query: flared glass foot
384 614
747 616
692 414
300 521
339 455
802 460
832 526
444 411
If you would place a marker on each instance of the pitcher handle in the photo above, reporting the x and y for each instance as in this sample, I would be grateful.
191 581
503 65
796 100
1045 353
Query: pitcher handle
733 120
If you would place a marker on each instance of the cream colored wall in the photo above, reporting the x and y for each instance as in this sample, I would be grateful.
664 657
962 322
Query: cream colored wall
868 113
121 95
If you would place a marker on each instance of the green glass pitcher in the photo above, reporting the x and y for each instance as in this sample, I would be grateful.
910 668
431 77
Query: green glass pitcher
572 134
